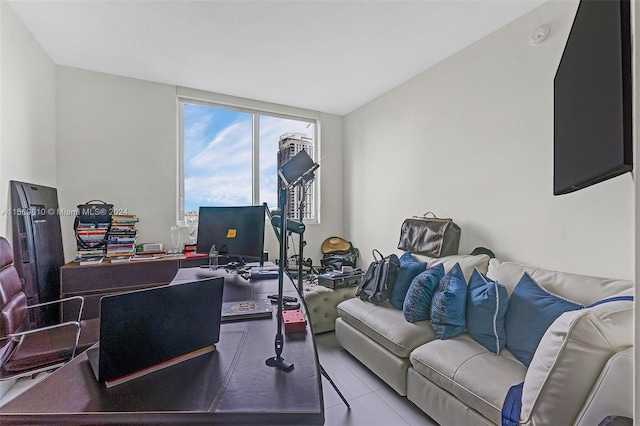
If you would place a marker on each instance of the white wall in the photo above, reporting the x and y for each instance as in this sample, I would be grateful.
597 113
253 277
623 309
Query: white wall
472 139
117 142
27 112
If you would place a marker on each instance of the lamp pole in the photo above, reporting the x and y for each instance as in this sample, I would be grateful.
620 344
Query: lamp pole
278 361
302 243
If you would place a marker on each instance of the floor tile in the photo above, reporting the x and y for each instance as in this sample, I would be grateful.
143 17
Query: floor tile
328 341
367 410
347 382
372 381
22 385
405 408
372 401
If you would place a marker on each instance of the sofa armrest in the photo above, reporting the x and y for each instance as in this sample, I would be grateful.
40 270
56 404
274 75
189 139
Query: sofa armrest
570 359
612 395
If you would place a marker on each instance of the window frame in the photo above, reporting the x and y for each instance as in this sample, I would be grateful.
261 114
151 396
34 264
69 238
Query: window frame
256 109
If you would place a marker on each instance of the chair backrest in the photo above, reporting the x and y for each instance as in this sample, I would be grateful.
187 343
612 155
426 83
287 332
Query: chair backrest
13 301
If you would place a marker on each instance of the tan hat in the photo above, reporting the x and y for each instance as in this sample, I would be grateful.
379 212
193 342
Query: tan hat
334 244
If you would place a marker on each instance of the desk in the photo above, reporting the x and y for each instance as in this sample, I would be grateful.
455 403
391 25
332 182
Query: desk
94 281
229 386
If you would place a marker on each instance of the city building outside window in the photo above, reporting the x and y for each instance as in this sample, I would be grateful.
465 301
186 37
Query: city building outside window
230 157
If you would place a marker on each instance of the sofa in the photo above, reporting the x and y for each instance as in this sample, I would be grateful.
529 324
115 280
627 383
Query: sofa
580 373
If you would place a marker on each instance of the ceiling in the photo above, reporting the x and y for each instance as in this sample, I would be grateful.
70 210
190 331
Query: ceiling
330 56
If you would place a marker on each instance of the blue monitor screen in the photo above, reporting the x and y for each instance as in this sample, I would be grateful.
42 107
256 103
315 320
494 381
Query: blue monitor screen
235 231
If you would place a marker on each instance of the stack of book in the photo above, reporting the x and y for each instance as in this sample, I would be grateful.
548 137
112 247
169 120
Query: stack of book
147 251
91 239
122 238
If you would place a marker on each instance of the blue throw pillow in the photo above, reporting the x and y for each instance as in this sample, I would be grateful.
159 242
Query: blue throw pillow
531 311
409 269
487 303
417 303
448 304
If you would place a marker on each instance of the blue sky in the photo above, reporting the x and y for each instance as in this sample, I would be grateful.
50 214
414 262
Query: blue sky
218 158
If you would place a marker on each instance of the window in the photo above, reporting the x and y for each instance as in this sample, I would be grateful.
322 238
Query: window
229 157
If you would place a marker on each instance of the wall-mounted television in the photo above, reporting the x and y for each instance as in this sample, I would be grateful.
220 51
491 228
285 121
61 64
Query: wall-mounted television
592 98
237 232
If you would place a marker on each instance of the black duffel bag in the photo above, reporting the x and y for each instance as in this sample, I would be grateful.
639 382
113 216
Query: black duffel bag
378 281
429 236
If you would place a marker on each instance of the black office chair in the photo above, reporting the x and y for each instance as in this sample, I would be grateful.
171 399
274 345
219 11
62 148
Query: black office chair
24 351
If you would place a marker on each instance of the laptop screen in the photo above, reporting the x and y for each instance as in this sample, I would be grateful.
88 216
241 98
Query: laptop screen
143 328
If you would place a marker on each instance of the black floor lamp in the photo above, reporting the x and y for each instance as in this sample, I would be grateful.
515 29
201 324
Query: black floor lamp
298 168
301 244
301 161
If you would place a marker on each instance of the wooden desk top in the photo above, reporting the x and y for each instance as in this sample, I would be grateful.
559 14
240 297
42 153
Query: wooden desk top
164 258
230 385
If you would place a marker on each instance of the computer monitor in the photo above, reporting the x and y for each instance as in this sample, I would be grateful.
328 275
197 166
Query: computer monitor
237 232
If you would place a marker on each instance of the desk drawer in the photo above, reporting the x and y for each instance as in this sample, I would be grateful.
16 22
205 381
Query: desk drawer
91 307
87 279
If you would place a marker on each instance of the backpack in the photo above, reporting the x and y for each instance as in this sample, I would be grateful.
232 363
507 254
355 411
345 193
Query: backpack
378 281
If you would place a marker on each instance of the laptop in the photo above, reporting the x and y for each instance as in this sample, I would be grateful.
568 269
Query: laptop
146 330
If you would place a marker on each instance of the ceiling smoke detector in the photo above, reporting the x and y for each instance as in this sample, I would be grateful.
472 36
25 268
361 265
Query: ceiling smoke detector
540 34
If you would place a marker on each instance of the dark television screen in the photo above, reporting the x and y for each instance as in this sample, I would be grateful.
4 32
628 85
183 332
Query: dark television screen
235 231
592 98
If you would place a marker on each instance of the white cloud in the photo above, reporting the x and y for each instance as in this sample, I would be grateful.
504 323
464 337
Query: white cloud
230 147
218 190
197 120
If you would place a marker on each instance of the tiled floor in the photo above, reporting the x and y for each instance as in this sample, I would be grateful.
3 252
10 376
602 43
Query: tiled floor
372 401
16 387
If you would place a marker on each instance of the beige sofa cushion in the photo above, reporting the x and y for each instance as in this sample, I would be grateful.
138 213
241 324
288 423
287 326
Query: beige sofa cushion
390 368
470 372
467 263
386 325
570 358
583 289
508 273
